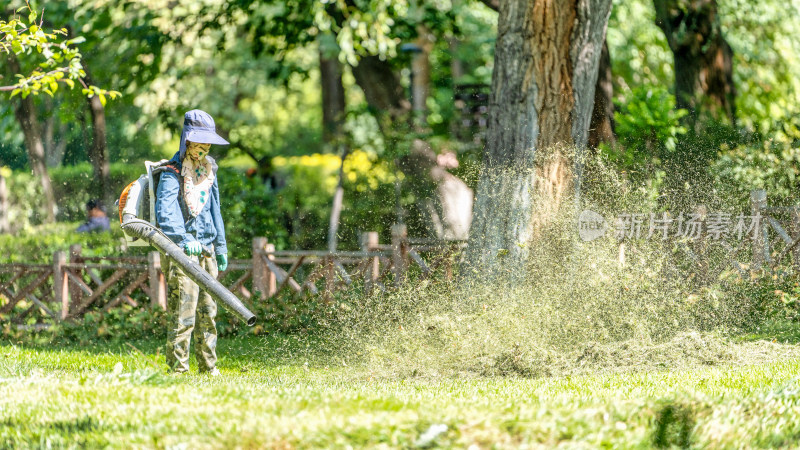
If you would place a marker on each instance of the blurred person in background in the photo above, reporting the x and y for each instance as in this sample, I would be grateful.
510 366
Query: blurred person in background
97 219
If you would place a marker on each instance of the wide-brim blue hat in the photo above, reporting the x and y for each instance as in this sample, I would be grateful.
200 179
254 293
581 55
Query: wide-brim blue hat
205 137
199 127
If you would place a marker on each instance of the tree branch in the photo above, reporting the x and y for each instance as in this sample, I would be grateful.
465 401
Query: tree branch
38 77
491 4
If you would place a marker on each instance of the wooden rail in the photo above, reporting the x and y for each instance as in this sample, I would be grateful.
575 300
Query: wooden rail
75 284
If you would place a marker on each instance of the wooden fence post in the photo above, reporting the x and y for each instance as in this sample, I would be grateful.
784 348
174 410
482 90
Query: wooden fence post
264 280
758 204
330 278
448 260
370 243
158 287
399 252
4 227
75 292
272 278
60 283
260 269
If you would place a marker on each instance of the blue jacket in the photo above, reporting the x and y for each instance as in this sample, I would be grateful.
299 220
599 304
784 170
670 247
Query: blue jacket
207 227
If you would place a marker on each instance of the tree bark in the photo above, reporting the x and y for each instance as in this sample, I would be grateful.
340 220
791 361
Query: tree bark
98 153
333 103
602 126
546 61
25 113
703 59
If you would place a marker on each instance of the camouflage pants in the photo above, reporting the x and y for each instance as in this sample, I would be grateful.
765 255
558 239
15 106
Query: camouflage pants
190 310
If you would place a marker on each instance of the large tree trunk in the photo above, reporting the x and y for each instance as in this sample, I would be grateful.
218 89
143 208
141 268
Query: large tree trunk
601 128
703 59
25 113
546 61
98 154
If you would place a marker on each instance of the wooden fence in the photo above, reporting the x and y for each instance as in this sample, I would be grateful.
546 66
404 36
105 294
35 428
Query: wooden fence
74 284
766 246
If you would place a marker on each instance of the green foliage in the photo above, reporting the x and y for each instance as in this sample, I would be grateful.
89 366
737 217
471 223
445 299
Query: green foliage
766 63
648 127
70 188
37 244
292 209
59 60
771 165
249 209
640 55
296 213
118 325
758 154
776 294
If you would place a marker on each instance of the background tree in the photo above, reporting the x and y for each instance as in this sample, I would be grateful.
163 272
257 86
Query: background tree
58 61
255 65
601 128
703 59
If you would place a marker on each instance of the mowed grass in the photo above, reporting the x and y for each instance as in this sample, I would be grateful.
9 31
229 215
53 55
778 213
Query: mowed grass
113 395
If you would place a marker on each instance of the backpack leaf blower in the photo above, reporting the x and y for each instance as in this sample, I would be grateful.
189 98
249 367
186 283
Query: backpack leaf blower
137 200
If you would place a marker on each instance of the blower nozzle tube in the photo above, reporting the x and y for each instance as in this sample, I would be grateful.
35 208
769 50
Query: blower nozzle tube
145 230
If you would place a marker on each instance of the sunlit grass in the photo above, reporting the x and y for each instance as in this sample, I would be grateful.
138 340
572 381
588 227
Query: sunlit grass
112 395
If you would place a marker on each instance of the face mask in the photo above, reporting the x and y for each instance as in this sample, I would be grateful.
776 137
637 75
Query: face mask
196 150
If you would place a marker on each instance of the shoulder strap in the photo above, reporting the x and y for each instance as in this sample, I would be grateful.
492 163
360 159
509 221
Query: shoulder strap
173 168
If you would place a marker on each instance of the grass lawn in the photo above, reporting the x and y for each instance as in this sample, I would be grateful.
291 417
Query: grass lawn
117 396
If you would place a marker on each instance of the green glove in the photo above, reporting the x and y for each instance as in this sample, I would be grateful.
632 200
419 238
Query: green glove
193 248
222 262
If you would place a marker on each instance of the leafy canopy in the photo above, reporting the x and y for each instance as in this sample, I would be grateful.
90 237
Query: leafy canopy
61 60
